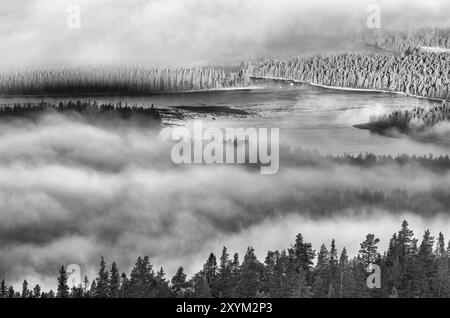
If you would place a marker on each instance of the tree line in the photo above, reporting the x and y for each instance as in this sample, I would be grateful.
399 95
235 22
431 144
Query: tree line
414 72
408 269
400 41
91 110
116 80
416 119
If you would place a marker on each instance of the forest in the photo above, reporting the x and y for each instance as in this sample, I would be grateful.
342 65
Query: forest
89 110
409 268
400 41
116 80
415 120
413 73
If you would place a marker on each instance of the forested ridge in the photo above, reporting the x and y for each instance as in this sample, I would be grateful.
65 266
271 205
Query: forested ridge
409 268
400 41
116 80
416 73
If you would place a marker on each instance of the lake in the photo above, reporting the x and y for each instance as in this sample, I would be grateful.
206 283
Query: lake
309 117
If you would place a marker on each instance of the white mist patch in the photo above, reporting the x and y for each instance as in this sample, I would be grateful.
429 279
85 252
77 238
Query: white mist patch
362 114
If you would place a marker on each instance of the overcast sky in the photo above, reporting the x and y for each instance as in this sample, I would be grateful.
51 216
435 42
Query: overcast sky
150 32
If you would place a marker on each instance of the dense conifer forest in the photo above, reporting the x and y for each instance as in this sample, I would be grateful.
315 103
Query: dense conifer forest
414 73
413 121
116 80
89 110
410 267
400 41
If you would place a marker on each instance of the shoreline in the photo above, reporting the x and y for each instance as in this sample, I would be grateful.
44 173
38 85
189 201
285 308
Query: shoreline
348 89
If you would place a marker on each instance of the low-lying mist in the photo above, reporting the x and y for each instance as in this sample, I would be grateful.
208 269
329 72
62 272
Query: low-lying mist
72 191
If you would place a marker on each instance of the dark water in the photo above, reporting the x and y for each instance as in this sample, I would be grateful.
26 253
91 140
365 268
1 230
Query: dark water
308 117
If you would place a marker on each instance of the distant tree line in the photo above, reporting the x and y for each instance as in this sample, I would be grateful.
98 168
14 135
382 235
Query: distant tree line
116 80
295 156
400 41
409 268
413 73
91 110
416 119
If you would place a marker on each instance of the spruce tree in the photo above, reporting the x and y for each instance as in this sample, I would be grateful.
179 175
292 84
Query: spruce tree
178 284
369 250
25 291
224 287
114 282
37 291
251 270
322 280
235 273
162 285
302 254
102 281
63 289
3 289
210 273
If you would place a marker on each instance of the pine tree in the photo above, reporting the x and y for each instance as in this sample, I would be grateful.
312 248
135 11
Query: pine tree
162 285
442 268
423 285
251 269
63 289
102 281
210 273
178 284
114 282
235 273
224 286
345 286
368 252
405 237
142 281
37 291
334 265
322 273
3 289
25 291
302 256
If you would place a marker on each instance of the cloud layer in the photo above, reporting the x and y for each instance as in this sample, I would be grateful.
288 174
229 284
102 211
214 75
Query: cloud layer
71 192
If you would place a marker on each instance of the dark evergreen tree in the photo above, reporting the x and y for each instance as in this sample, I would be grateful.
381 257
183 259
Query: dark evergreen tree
3 289
37 291
210 274
250 272
179 284
63 289
369 250
102 281
25 290
114 282
224 287
162 285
